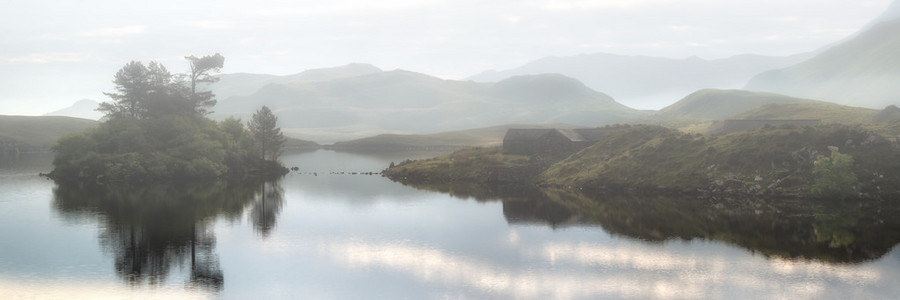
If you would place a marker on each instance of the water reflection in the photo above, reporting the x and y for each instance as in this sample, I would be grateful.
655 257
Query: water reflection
149 229
266 207
590 270
834 231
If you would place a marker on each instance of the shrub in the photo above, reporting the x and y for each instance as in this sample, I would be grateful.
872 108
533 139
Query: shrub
834 177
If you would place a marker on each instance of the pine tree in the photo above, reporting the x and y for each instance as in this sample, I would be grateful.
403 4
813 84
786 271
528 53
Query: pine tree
263 127
201 67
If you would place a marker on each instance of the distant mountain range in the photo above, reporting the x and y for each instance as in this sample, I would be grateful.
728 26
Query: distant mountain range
359 100
412 103
649 82
244 84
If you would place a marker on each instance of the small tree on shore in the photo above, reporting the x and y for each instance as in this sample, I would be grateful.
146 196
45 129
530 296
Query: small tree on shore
834 177
263 127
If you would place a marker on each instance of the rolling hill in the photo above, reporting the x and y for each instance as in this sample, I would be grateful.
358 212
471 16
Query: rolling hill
403 102
649 82
27 134
712 104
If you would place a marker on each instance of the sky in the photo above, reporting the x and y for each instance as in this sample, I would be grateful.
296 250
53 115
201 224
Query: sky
53 53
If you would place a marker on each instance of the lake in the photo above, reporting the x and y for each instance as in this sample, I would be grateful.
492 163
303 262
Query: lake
329 231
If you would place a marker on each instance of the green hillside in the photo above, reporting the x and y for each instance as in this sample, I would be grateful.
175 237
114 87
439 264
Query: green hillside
25 134
771 161
827 112
480 137
713 104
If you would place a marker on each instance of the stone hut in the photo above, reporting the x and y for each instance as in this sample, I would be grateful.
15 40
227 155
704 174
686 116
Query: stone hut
550 142
742 125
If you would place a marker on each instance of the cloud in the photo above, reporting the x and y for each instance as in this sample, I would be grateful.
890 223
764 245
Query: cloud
212 25
346 7
581 5
115 31
49 58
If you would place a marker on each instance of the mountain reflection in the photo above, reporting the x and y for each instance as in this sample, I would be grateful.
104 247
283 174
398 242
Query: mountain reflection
151 228
831 231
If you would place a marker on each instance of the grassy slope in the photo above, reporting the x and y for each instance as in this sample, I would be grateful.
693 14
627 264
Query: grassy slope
634 156
700 111
827 112
770 160
480 137
467 165
884 122
712 104
39 133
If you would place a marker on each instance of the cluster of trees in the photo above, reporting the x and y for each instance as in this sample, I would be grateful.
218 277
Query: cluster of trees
156 129
151 91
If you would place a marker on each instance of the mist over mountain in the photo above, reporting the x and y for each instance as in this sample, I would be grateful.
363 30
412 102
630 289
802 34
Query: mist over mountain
243 84
649 82
414 103
891 13
862 71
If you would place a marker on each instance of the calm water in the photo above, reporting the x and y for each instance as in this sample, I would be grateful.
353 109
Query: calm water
319 234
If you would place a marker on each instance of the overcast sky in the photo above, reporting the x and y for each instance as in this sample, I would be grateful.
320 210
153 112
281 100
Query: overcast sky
53 53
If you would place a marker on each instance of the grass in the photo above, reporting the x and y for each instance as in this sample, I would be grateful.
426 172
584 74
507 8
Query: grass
765 161
468 165
479 137
643 155
829 113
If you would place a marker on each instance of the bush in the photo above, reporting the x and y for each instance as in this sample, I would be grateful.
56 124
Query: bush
834 177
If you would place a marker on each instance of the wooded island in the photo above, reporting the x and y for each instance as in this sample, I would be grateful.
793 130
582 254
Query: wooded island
157 129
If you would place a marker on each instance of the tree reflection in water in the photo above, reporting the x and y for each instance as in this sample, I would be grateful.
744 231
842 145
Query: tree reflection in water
151 228
266 207
829 231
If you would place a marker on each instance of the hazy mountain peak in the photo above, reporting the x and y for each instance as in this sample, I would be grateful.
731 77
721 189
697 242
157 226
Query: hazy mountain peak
541 85
648 82
401 101
326 74
84 108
